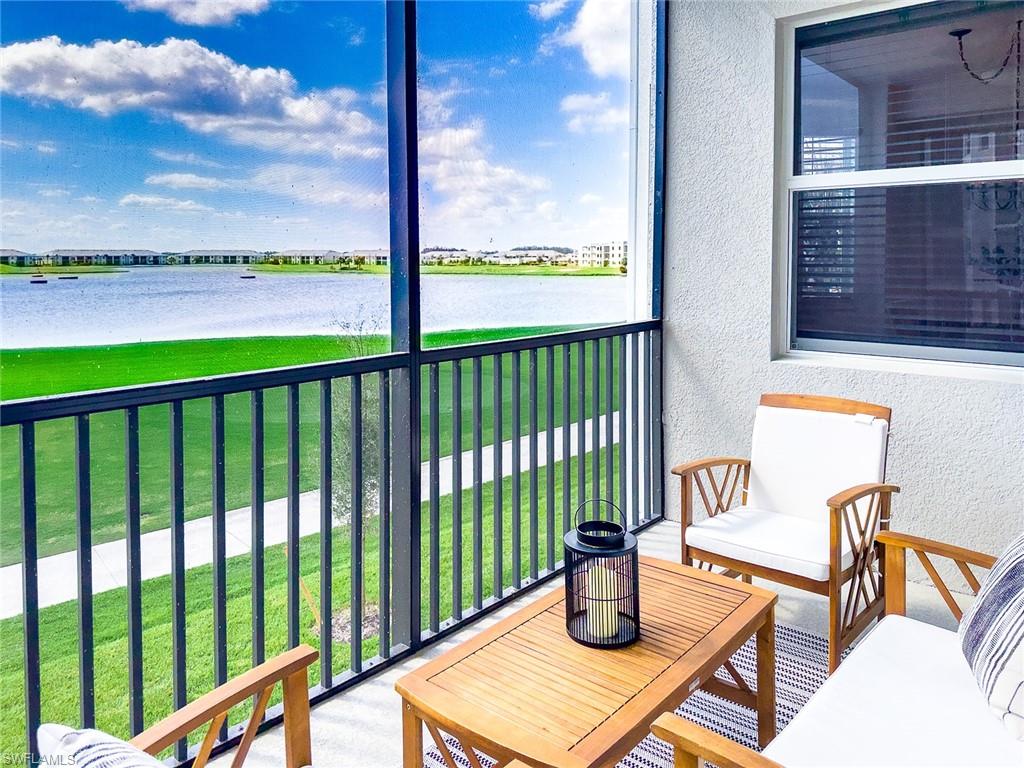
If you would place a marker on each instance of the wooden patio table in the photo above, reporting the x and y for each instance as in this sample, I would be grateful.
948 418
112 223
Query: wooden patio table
523 689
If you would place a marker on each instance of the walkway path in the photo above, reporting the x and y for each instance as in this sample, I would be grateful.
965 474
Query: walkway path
58 574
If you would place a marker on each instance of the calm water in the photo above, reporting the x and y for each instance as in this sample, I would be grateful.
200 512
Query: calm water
162 303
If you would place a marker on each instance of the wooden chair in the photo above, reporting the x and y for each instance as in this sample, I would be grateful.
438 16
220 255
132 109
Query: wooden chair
803 510
290 669
862 695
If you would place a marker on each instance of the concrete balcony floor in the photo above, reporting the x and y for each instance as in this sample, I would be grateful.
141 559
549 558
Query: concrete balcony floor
361 728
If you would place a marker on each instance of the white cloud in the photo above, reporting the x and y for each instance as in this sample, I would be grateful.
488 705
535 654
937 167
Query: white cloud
200 13
601 32
163 203
320 184
593 113
10 144
46 148
185 181
548 10
589 198
441 143
432 104
201 89
188 158
53 192
89 199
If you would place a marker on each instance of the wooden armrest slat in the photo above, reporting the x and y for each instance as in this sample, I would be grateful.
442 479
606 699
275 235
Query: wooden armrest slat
221 699
699 742
843 498
690 467
932 547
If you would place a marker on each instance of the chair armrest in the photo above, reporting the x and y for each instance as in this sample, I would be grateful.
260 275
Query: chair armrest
895 546
690 467
696 743
203 710
932 547
843 498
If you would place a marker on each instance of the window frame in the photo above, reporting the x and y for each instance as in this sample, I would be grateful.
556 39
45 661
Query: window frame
789 184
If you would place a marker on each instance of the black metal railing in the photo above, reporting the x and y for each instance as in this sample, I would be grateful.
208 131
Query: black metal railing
514 435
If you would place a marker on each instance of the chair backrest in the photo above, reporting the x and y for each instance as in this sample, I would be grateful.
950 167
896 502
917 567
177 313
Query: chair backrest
806 449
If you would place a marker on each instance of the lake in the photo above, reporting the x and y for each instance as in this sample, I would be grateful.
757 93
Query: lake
166 303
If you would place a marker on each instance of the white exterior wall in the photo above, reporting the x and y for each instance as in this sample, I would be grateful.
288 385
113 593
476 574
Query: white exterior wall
957 447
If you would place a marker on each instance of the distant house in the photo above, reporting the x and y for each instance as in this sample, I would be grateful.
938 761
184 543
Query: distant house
447 256
14 258
531 255
613 254
121 257
379 257
199 256
300 256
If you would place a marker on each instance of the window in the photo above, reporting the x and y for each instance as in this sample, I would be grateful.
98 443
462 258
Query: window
549 197
904 188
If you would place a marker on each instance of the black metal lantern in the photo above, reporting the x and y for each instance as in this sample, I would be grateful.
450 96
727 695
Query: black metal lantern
602 579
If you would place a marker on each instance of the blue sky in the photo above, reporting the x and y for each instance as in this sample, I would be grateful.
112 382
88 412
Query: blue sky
176 124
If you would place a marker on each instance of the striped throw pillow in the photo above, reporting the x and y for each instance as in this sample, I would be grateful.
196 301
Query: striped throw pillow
87 748
992 638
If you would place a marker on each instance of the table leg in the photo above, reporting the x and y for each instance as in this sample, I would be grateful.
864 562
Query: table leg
412 738
766 679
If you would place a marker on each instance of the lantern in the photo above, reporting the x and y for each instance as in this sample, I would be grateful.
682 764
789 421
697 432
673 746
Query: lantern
602 578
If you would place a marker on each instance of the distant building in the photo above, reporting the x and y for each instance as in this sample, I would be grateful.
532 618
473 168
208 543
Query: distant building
14 258
377 257
447 256
119 257
311 256
199 256
612 254
537 255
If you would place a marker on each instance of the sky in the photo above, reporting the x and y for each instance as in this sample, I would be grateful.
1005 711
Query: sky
180 124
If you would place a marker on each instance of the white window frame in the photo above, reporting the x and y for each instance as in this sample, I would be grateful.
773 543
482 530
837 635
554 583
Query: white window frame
787 184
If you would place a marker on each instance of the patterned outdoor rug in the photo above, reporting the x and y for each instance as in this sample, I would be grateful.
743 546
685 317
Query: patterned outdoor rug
801 666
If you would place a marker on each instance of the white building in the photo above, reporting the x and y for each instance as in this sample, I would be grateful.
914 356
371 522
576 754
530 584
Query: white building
613 254
121 257
15 258
447 256
199 256
378 257
314 256
537 255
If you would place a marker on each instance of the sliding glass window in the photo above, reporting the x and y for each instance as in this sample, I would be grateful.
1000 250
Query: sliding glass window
906 197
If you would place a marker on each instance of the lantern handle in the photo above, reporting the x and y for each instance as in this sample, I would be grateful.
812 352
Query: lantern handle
581 509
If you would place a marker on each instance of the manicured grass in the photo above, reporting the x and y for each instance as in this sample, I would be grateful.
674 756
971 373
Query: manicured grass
43 371
59 633
68 369
544 270
8 269
341 269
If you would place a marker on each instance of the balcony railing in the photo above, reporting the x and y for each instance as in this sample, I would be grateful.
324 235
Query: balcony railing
514 435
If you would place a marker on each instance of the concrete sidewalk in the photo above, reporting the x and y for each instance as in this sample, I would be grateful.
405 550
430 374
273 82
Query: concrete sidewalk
58 574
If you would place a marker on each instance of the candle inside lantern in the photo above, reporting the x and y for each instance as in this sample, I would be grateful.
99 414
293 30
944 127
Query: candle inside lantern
602 602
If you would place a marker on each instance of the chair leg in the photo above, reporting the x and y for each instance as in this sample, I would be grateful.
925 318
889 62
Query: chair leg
835 618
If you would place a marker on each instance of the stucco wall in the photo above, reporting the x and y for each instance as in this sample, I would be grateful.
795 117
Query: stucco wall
957 447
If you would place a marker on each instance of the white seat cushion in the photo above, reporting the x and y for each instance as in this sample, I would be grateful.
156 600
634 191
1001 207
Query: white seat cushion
786 543
799 459
904 697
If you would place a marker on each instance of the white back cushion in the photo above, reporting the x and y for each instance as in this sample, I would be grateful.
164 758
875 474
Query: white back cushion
800 458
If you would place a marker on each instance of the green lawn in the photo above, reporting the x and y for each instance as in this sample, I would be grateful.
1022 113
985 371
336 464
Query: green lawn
59 635
34 372
9 269
544 270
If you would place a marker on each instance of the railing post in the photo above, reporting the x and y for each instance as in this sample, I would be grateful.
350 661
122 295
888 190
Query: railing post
403 190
